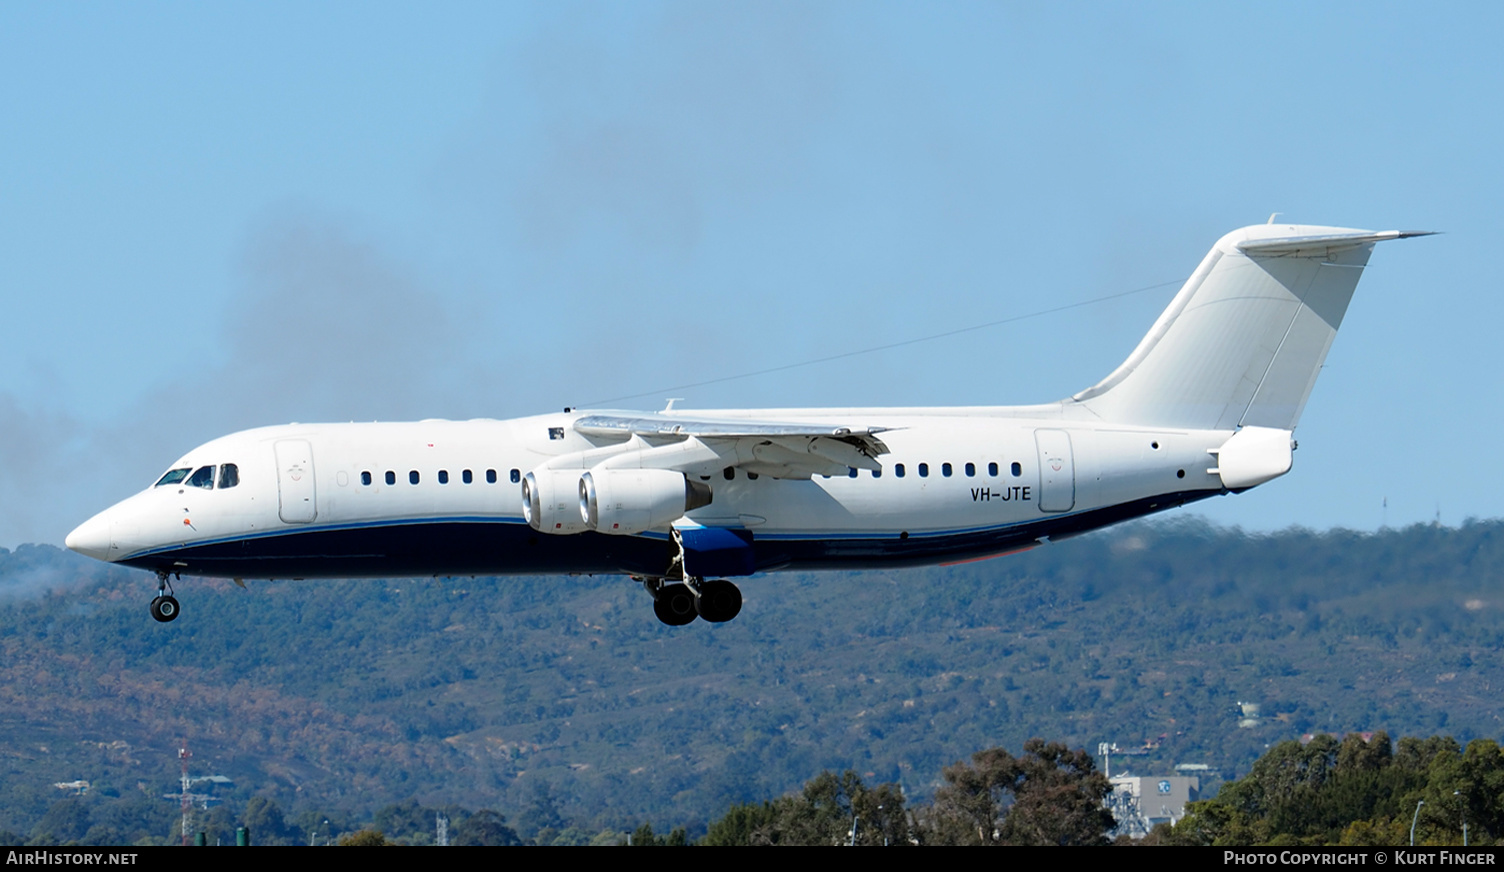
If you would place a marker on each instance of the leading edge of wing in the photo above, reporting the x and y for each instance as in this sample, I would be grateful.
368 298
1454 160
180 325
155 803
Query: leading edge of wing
708 428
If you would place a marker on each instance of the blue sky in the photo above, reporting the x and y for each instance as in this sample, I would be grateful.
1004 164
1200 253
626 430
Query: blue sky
218 216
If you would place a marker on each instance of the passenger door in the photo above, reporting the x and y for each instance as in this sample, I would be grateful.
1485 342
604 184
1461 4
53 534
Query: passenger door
295 488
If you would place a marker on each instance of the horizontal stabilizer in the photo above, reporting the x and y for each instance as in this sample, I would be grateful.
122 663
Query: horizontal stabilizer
1319 244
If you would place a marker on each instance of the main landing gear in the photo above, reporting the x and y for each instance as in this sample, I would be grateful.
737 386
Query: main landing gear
717 600
165 607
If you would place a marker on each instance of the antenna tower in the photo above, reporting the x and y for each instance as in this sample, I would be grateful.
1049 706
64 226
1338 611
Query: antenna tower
183 755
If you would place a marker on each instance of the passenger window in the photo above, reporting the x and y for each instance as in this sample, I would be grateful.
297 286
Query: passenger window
490 476
877 473
516 476
971 470
467 477
992 469
412 477
1017 469
203 478
443 476
751 476
365 478
898 470
729 473
391 477
945 469
174 476
924 470
851 471
229 476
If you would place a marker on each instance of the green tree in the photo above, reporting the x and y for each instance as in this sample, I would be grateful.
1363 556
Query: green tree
643 836
1050 796
363 839
67 820
485 827
738 824
823 812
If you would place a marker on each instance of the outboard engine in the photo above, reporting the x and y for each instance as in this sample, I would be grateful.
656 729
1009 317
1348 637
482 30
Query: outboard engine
550 502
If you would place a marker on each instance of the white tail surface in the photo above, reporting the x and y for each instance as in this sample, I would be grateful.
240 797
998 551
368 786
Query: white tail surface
1243 341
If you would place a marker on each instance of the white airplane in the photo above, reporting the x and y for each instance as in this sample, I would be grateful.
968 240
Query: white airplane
683 500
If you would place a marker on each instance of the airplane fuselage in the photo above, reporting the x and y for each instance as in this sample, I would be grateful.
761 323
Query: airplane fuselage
443 497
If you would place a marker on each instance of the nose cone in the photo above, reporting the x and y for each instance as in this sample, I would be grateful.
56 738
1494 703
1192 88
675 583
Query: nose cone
92 538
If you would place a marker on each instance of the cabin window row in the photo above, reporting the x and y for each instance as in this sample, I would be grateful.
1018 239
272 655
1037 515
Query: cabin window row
900 471
946 470
416 477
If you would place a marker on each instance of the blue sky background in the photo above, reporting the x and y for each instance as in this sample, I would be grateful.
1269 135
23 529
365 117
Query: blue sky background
219 216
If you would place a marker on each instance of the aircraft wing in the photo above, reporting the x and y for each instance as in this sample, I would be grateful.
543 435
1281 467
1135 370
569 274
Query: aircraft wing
779 450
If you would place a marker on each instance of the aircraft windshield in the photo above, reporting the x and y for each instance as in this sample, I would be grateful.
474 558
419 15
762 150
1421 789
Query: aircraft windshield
174 476
229 475
204 478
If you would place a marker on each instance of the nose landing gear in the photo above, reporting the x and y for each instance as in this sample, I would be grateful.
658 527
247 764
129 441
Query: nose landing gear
165 607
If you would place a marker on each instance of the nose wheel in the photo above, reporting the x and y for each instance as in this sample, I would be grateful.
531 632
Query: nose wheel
165 607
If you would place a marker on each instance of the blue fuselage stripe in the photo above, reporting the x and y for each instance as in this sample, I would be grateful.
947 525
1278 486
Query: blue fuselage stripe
482 545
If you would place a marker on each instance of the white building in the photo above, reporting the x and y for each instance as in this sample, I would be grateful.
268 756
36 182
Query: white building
1138 803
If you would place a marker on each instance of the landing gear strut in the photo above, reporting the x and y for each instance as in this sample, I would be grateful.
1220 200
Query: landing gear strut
165 607
716 600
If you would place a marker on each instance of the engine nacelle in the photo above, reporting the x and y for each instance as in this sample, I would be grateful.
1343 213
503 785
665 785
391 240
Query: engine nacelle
551 501
623 502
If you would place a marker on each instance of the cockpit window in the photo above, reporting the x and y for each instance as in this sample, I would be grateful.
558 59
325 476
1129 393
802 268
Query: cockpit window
203 478
229 476
174 476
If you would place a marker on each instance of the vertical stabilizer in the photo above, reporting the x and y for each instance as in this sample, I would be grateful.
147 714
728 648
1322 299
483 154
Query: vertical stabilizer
1243 341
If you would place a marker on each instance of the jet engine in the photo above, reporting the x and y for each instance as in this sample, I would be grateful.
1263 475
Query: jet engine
550 501
622 502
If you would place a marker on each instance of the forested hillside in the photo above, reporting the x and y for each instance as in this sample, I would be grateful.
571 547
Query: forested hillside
562 700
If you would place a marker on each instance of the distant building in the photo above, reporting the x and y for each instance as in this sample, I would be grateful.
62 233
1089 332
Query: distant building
1139 803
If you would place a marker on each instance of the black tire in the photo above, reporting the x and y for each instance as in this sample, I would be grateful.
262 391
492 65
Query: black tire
675 605
164 608
720 601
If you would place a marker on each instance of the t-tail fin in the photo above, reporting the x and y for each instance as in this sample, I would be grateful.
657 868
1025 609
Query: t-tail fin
1243 341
